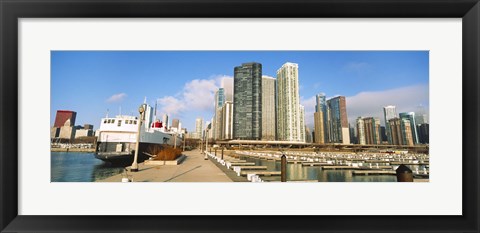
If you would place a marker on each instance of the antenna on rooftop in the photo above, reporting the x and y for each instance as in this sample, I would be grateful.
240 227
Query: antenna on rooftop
120 110
145 100
107 114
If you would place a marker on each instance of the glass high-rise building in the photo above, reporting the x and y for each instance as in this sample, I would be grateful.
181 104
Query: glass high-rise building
320 124
289 122
389 112
227 118
199 128
247 101
338 120
217 124
268 108
361 131
413 126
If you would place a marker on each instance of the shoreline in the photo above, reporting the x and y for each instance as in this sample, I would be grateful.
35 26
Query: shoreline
83 150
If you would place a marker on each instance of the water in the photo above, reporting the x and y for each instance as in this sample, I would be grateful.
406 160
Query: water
79 167
299 172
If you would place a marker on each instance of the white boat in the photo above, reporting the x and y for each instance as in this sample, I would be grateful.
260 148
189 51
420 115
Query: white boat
116 137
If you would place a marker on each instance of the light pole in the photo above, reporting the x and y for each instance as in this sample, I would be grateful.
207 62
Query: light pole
206 143
134 167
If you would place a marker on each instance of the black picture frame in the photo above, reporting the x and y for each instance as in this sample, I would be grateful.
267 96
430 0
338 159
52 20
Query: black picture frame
11 11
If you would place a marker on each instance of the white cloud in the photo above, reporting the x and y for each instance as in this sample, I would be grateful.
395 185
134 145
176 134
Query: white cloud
116 98
196 95
406 99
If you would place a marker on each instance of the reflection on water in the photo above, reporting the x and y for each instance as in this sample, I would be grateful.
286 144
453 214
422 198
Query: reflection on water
79 167
299 172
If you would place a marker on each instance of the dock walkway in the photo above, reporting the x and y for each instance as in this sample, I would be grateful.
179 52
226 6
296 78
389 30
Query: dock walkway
193 169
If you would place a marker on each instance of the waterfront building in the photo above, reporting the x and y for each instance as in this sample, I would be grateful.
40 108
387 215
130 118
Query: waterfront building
353 138
165 121
423 133
389 112
289 122
218 124
338 120
413 126
401 131
372 130
383 134
227 118
308 135
54 132
219 101
268 108
320 119
175 123
420 115
83 133
361 131
247 101
318 125
302 123
63 116
67 131
321 106
199 128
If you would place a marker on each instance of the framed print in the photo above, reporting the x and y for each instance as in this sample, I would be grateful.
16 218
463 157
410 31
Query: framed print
153 113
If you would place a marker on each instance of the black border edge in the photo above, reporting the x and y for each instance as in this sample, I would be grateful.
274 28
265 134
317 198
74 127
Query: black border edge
10 11
8 117
471 89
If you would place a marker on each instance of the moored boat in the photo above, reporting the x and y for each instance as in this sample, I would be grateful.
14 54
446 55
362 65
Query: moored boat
116 137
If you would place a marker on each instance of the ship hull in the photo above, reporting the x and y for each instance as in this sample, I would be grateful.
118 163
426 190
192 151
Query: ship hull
108 155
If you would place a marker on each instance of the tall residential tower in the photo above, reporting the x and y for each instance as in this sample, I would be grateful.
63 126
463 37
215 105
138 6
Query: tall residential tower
247 101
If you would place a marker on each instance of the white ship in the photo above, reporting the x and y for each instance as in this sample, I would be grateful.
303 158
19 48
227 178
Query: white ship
116 137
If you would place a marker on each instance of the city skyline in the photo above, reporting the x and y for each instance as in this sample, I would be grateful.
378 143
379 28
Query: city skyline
102 80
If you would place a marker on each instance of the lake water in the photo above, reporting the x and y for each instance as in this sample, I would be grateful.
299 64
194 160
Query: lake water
79 167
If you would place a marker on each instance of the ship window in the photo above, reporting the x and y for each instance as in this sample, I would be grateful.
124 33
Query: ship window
105 121
119 123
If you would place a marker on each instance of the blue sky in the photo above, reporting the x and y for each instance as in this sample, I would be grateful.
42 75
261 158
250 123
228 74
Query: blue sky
92 82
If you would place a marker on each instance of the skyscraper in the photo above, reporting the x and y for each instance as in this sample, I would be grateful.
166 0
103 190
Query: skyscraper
318 124
361 131
289 124
401 131
247 101
423 133
199 128
227 118
338 120
389 112
420 115
320 119
165 121
217 124
413 126
268 108
302 123
372 130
